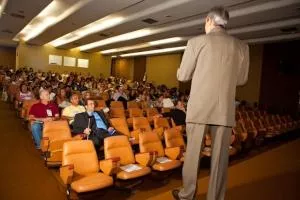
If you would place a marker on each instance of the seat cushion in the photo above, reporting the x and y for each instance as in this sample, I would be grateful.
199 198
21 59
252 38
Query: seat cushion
134 174
92 182
166 166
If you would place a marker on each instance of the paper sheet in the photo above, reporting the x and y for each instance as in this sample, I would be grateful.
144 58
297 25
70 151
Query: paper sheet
130 168
163 160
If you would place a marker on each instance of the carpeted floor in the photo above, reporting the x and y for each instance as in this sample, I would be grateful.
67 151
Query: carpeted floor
269 173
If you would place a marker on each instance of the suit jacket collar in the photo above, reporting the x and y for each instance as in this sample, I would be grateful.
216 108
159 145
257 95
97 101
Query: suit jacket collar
217 29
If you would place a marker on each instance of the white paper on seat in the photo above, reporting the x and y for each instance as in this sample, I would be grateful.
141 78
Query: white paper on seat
130 168
163 160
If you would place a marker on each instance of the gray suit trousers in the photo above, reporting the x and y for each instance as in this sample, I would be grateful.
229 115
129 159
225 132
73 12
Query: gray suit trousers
219 161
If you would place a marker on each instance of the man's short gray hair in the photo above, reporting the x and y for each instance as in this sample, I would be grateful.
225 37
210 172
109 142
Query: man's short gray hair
219 15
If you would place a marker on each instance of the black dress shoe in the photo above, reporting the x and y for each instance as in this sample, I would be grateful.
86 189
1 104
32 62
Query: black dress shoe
175 194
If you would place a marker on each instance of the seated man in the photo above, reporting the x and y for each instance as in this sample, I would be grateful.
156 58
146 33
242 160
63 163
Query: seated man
40 113
177 114
92 124
70 111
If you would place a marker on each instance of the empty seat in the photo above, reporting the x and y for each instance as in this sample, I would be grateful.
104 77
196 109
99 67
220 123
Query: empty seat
117 113
55 134
174 139
160 122
150 113
119 148
132 104
142 124
134 112
100 104
116 104
80 167
150 143
121 126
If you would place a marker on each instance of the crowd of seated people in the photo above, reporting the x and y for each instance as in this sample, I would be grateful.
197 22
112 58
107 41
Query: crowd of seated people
103 110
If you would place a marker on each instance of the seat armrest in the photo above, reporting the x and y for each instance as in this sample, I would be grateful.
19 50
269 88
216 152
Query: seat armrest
110 166
45 142
78 137
146 159
174 153
66 173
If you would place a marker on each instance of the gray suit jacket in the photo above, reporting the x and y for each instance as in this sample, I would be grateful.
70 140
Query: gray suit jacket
216 63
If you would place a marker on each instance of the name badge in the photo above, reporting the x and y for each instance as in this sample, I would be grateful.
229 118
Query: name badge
49 113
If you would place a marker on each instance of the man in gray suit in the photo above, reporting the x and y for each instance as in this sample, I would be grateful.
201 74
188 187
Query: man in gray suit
216 63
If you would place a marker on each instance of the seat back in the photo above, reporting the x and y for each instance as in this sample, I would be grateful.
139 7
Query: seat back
117 113
251 115
135 112
141 123
132 104
258 124
165 110
104 96
150 142
100 103
26 107
120 125
150 112
57 130
119 146
173 138
161 123
249 126
82 154
116 104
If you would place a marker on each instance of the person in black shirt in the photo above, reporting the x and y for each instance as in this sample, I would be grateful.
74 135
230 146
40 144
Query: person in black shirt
177 114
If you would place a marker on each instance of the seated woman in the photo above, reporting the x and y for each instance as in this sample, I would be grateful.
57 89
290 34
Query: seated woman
23 94
178 114
61 99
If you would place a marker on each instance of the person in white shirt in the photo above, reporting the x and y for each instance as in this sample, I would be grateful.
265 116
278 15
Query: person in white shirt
70 111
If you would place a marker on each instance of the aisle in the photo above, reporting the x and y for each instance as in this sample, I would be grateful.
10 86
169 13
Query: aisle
272 175
22 171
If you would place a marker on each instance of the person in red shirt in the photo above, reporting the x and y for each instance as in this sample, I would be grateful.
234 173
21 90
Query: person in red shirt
40 113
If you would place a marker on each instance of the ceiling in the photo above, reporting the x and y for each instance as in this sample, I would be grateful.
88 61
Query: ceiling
250 19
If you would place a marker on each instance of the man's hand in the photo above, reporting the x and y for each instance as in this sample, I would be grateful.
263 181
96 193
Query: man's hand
47 119
87 131
110 129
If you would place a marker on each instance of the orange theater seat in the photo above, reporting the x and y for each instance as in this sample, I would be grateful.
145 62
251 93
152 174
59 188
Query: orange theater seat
80 168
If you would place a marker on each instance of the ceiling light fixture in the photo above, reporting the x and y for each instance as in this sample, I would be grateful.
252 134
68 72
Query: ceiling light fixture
145 45
236 13
112 21
55 12
2 6
152 52
87 30
119 38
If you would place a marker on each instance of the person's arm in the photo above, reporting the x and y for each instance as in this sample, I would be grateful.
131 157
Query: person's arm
188 63
78 124
244 68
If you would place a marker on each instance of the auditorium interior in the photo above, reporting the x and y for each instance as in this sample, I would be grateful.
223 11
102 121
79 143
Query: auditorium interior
82 51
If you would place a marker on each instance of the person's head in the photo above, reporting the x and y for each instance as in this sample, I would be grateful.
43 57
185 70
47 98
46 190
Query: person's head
62 92
179 105
217 17
87 95
75 99
44 95
89 105
23 88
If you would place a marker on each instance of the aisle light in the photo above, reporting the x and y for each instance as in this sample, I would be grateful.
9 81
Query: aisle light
151 52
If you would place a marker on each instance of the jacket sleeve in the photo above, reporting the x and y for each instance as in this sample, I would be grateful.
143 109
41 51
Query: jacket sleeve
244 68
188 63
78 124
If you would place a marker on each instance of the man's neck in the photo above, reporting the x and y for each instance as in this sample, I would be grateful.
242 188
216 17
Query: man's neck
45 102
